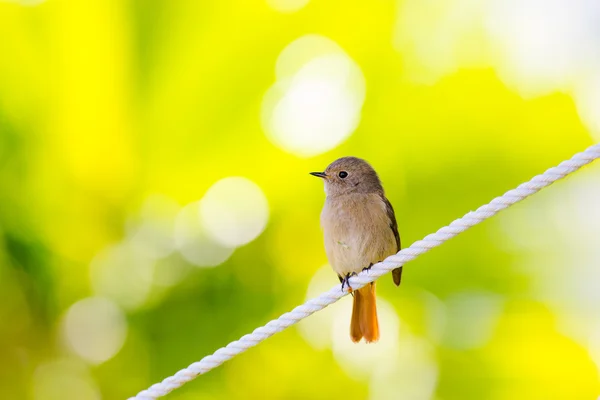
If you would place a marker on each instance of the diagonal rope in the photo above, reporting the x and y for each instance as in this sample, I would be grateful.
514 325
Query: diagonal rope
405 255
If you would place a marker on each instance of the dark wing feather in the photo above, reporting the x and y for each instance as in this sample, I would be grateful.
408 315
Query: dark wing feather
396 273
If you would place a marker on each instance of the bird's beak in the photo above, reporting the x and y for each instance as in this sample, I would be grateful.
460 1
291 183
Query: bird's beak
319 174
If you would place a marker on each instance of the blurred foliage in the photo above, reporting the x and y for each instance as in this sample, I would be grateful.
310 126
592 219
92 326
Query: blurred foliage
106 104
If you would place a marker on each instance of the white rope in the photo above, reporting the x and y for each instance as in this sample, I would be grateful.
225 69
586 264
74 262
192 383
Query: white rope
405 255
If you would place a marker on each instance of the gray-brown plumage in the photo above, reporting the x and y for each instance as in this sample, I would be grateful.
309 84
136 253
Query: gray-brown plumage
359 228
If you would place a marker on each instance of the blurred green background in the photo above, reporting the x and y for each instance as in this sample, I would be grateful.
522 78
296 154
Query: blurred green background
155 202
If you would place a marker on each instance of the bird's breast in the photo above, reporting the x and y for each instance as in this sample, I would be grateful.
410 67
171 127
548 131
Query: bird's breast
357 232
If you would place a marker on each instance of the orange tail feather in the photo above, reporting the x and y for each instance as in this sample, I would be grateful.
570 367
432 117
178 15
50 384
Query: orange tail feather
364 315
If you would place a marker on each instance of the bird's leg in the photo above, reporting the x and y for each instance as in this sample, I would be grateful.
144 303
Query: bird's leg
368 268
346 281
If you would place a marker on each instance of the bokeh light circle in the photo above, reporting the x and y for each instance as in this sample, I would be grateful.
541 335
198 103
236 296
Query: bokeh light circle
317 329
153 235
317 101
124 274
587 98
234 211
361 360
27 3
194 243
412 374
95 329
301 51
539 52
472 318
287 6
64 378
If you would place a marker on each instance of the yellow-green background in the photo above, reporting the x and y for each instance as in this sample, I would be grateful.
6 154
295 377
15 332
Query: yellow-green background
105 103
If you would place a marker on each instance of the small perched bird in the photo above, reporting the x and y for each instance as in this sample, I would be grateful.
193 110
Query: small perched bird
359 227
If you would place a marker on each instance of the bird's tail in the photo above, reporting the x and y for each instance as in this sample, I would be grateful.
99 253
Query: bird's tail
364 315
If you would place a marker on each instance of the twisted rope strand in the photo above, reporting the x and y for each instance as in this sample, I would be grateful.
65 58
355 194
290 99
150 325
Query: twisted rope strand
419 247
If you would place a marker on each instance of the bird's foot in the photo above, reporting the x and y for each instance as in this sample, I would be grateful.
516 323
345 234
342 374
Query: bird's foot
368 268
346 281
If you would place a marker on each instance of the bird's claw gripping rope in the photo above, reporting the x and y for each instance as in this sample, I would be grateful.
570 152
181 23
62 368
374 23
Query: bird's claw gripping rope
346 281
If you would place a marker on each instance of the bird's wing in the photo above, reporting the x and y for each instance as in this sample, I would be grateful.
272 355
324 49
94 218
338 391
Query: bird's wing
393 224
396 273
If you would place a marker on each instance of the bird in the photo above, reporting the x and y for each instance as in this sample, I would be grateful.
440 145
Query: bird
359 229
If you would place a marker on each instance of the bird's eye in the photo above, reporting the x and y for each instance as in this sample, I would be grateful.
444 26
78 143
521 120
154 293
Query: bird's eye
343 174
